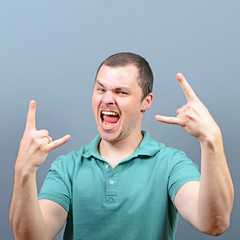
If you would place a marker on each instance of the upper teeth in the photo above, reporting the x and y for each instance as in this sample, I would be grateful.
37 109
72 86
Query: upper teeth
109 113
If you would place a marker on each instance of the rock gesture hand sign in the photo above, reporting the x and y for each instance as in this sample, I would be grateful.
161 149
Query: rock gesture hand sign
207 204
193 116
35 144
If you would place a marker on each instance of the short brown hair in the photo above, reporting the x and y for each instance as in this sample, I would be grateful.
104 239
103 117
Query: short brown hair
145 79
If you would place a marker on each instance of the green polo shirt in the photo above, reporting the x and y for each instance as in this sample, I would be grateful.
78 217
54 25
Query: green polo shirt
133 201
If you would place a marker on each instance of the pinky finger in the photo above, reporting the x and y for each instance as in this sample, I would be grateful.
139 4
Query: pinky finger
169 120
58 142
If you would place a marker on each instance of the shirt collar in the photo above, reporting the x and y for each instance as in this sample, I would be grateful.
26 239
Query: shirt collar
91 149
148 147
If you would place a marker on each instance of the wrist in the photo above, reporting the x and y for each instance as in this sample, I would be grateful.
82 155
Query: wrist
213 139
24 171
22 181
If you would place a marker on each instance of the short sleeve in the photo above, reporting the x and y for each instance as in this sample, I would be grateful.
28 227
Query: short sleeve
56 186
182 171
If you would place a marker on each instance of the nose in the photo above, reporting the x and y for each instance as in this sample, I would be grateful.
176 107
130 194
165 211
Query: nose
108 98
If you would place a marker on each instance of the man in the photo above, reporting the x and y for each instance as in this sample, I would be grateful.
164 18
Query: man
123 185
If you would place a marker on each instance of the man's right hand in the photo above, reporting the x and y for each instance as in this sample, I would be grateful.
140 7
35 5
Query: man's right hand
27 218
35 144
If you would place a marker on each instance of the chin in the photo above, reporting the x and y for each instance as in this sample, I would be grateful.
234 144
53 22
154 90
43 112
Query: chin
109 137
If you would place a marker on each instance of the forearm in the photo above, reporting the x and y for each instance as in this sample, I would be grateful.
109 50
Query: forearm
216 192
25 214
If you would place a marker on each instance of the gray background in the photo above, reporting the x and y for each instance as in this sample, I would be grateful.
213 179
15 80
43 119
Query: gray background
49 51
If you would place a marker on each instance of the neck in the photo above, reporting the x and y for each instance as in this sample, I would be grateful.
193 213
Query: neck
115 152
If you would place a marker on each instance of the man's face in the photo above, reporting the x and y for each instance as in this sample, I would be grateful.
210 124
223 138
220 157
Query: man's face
117 102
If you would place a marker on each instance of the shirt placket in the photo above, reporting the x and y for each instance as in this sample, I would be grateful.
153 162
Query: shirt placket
111 194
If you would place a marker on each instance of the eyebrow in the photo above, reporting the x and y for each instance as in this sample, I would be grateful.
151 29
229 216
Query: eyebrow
99 83
117 88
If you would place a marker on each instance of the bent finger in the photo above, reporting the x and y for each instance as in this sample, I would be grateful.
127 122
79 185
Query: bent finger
58 142
46 140
42 133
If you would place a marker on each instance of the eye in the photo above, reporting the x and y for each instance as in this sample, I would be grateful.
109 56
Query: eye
122 93
101 89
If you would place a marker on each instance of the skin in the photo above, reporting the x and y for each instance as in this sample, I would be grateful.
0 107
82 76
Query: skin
207 204
43 219
117 90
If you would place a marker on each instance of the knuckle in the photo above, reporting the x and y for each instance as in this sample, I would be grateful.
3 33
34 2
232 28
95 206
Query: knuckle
189 105
43 148
46 132
38 144
31 136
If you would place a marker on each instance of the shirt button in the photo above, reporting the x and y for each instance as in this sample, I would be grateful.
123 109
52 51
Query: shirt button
111 181
107 166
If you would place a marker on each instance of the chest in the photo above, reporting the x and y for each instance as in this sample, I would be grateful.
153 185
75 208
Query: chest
98 184
132 196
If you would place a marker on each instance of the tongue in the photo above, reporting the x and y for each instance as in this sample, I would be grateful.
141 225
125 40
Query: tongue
110 119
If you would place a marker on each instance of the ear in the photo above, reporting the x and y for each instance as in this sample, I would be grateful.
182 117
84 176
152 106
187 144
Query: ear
147 102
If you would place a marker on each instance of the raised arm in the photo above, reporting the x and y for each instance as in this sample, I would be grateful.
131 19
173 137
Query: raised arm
206 205
28 219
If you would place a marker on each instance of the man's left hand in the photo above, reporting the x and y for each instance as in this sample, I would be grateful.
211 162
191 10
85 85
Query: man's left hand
193 116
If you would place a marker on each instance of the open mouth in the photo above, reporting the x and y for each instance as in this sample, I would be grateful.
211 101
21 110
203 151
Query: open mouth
109 119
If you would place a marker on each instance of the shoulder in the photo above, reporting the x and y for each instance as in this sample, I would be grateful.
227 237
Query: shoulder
68 161
151 146
74 159
174 159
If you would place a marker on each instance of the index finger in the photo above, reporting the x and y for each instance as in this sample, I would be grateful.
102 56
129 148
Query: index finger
31 116
188 91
